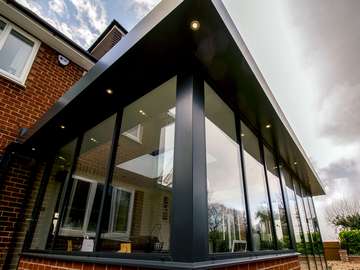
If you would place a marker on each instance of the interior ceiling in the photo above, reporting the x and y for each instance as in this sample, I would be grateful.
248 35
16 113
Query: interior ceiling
159 47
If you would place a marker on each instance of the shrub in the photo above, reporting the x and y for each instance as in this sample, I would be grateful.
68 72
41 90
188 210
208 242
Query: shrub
350 240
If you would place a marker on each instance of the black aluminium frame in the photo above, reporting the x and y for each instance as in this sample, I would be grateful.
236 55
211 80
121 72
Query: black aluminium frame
301 225
189 164
308 226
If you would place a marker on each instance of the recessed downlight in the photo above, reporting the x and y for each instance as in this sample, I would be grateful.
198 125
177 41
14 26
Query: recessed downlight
109 91
295 163
268 126
195 25
62 127
142 112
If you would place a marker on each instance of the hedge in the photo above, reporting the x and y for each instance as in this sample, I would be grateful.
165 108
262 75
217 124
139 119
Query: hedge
350 240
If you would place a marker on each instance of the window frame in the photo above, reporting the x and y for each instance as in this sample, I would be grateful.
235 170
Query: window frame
63 231
9 26
111 232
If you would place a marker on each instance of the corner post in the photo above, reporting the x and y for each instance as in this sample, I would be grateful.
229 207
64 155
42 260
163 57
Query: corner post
189 232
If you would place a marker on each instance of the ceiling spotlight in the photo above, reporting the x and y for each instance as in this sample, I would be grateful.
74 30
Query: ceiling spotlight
93 140
142 112
109 91
195 25
33 149
242 134
62 126
268 126
295 163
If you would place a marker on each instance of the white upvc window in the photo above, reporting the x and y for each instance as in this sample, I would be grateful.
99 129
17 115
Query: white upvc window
17 52
83 206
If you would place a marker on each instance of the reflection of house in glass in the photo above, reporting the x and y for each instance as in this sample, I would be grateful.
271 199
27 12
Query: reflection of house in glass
187 163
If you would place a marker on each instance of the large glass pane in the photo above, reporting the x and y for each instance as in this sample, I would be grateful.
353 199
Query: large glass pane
277 202
314 235
138 205
261 222
83 193
49 212
296 222
317 236
226 204
305 226
15 53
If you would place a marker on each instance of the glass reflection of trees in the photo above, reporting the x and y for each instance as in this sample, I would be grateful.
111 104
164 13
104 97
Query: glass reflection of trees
226 205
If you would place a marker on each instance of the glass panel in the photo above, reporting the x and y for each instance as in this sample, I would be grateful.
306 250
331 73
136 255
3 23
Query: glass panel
305 226
296 222
83 194
319 244
313 234
137 210
49 213
277 202
15 53
256 185
226 205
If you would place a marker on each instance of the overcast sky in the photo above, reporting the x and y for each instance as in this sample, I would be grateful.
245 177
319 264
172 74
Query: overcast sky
308 52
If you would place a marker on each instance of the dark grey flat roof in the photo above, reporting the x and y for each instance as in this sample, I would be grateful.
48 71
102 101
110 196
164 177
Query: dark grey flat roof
162 45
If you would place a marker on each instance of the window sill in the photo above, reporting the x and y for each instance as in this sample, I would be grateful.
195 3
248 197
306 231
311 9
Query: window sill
159 264
13 80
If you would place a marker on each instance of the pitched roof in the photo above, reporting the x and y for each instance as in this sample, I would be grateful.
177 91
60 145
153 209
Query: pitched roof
44 31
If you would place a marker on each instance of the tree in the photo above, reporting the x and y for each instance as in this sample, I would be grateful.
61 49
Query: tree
344 214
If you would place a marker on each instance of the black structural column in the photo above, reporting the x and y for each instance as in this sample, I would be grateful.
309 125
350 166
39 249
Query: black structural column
286 203
249 235
262 155
189 232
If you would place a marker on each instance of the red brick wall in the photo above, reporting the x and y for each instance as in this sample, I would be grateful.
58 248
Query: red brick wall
23 106
15 186
291 263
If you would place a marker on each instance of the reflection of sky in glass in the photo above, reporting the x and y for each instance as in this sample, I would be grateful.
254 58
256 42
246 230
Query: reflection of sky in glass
257 192
256 186
302 212
277 206
223 171
276 199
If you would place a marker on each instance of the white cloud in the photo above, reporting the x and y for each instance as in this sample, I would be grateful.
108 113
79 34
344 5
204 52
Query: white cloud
80 20
57 6
35 7
142 7
92 19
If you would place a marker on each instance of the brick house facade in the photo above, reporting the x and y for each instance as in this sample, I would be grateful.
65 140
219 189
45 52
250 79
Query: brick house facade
21 106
